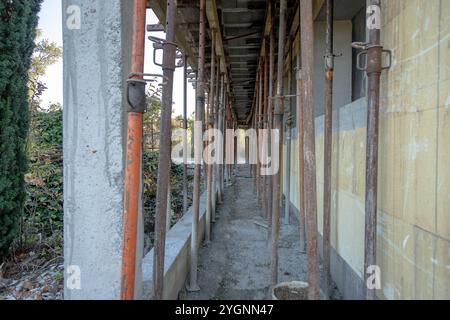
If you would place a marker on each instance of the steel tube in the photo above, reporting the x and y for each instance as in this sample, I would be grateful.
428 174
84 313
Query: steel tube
133 162
287 205
278 125
215 113
301 158
210 167
185 138
374 68
165 151
199 109
328 145
307 46
266 127
221 129
270 113
259 123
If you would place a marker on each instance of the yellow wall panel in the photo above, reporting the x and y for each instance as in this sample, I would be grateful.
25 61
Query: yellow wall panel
443 191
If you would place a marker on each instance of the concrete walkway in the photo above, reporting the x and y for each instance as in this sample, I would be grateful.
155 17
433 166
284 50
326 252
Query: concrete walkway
236 264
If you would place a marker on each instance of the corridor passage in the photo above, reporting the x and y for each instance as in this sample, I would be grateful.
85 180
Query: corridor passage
236 264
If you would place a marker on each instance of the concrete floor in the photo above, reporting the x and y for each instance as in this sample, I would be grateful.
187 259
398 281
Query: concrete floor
236 264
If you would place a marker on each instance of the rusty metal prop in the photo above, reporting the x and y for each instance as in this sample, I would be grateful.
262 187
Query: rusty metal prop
307 47
199 110
374 67
329 70
278 125
169 60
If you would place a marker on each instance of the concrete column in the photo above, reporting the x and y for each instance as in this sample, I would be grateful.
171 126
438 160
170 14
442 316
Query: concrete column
96 64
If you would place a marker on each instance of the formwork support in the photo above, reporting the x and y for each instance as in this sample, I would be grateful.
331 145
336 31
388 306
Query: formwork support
133 159
259 123
185 137
266 145
288 127
221 111
374 69
278 125
270 115
307 47
215 113
329 70
210 167
301 157
169 49
199 110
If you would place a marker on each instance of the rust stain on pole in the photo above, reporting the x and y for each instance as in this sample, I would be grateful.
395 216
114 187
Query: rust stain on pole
133 162
307 46
329 62
278 125
199 110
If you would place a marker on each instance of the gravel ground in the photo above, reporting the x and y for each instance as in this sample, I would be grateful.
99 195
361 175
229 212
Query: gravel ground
236 264
44 283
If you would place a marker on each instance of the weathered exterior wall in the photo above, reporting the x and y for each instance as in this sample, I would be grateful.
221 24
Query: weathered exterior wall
96 60
413 244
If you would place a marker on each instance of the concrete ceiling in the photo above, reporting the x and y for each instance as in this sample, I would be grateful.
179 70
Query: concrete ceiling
243 23
344 9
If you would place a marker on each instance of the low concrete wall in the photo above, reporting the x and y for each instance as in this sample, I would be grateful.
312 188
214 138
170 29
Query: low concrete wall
349 283
178 246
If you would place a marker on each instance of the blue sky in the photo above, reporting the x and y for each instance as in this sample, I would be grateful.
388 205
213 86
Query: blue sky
50 22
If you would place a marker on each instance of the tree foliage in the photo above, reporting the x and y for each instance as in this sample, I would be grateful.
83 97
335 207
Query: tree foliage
18 21
46 53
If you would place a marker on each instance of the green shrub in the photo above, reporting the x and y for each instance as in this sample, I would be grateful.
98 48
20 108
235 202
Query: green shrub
44 205
18 21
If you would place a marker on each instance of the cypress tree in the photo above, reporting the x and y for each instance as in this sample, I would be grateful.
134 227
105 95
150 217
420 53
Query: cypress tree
18 22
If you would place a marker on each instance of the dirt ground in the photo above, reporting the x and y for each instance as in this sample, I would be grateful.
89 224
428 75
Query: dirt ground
236 264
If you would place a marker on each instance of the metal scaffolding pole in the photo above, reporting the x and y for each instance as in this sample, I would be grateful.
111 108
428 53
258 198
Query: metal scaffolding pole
301 158
288 126
199 110
329 63
170 49
185 137
215 113
307 47
265 126
374 69
133 156
270 112
221 110
259 124
210 167
278 125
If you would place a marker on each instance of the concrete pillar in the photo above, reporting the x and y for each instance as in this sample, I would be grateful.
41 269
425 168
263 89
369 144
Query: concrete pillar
96 63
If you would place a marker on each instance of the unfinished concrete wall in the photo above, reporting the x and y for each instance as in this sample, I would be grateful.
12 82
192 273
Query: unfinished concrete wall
413 244
96 55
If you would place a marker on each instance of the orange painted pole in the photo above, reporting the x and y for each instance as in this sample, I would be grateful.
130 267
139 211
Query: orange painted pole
133 161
